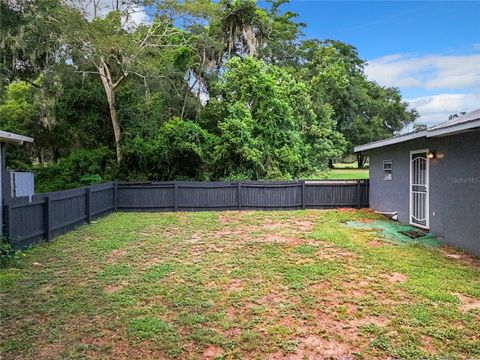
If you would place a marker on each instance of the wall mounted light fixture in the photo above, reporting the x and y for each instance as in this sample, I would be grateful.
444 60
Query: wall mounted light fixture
431 155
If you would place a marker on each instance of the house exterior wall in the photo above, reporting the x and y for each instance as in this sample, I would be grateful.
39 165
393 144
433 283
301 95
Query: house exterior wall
454 198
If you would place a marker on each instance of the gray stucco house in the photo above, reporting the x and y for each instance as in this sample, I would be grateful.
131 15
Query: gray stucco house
431 179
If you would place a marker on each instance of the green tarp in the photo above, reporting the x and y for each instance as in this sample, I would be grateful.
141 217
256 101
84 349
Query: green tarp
390 230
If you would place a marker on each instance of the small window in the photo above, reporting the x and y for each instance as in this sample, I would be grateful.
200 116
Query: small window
387 169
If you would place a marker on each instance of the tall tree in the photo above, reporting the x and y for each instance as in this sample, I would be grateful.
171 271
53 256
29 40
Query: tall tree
274 135
105 47
363 110
32 38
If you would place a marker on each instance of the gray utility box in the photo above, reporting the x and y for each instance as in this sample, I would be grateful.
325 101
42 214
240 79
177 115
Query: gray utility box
21 184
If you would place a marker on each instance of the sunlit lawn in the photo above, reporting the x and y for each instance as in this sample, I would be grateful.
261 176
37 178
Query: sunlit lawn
238 285
347 174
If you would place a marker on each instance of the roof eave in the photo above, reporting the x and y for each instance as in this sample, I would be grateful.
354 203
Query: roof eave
7 137
454 129
390 141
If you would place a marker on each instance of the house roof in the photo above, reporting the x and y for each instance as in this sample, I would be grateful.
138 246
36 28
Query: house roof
457 124
464 123
8 137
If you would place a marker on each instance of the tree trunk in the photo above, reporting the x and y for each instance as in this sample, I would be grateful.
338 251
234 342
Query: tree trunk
330 163
109 88
39 151
55 154
116 126
361 160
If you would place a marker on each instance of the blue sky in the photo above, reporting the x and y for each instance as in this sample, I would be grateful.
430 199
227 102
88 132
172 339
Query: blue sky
429 49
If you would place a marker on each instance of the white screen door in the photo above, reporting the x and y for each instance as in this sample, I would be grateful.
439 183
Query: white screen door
419 188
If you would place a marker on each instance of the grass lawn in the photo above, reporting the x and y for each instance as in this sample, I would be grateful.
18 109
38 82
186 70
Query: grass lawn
347 174
238 285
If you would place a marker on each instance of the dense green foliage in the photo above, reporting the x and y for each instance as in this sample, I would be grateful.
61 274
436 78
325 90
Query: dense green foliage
203 90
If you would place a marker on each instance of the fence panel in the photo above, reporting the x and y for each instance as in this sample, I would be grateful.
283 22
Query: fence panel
44 216
271 195
146 196
25 221
207 196
67 210
329 194
102 199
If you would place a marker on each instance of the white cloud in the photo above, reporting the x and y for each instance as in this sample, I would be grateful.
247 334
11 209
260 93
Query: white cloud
432 73
435 109
428 71
138 16
133 14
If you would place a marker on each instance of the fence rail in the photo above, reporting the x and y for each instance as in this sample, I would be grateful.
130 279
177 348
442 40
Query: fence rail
44 216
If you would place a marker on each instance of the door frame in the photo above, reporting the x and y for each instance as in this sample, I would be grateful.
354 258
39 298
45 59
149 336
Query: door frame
427 186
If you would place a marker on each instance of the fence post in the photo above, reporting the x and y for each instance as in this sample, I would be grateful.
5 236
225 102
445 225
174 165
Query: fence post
46 214
115 195
88 207
175 196
303 194
7 209
359 195
239 194
367 192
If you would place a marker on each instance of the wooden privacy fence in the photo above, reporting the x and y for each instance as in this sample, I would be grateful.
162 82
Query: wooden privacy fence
44 216
30 220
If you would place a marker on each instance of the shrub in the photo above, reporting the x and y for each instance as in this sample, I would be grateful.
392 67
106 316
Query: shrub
82 167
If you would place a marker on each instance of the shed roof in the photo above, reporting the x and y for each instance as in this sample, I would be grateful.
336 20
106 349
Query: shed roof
456 125
8 137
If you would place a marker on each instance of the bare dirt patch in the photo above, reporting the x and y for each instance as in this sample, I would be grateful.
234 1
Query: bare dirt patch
232 333
304 226
396 277
346 210
377 243
278 239
48 351
272 299
232 217
227 233
273 225
116 255
427 344
314 344
332 253
211 352
468 303
45 289
112 288
150 261
315 347
195 238
455 254
171 231
234 285
290 231
222 219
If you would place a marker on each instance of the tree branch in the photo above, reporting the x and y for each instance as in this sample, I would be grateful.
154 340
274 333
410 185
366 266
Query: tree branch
119 80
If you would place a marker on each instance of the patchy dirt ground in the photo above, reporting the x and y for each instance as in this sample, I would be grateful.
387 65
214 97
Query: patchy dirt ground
238 285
